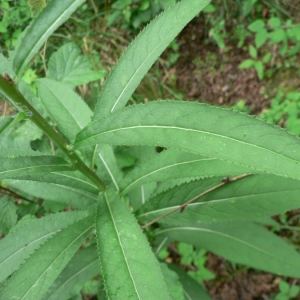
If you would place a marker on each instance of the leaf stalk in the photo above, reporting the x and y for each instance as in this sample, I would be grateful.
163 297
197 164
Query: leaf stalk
184 205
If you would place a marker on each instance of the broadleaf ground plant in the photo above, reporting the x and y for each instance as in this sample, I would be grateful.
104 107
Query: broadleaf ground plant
220 177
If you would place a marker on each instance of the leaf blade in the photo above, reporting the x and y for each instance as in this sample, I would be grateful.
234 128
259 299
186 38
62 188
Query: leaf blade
19 244
25 284
265 252
65 107
131 68
118 234
223 134
11 167
51 17
82 267
173 164
248 199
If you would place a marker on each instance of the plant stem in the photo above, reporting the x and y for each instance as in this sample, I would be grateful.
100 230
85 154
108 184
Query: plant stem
184 205
11 94
11 193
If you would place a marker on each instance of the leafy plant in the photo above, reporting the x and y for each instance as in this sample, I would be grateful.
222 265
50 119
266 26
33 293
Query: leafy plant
286 291
285 108
273 32
220 176
137 12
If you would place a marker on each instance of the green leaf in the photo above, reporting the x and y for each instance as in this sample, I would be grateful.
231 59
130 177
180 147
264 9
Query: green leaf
142 53
253 51
210 8
123 250
172 164
267 57
31 97
52 16
47 262
21 242
68 66
6 66
82 268
259 67
261 37
67 195
247 63
192 290
65 107
141 194
8 214
36 5
69 179
202 129
173 283
247 199
277 36
257 25
274 22
257 247
107 168
11 167
5 122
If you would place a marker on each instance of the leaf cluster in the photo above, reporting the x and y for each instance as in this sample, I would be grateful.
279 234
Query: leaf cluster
74 219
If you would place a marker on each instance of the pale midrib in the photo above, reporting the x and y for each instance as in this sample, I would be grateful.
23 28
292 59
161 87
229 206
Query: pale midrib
46 32
121 244
184 129
67 110
73 241
74 275
29 244
164 168
109 171
134 74
35 168
75 178
169 208
226 236
78 191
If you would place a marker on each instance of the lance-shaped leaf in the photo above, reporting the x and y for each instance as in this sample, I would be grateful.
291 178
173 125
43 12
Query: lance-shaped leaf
173 164
202 129
107 168
68 66
251 198
8 214
47 262
52 16
173 283
55 192
64 106
124 250
192 289
241 242
69 179
82 267
142 53
20 243
5 122
11 167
